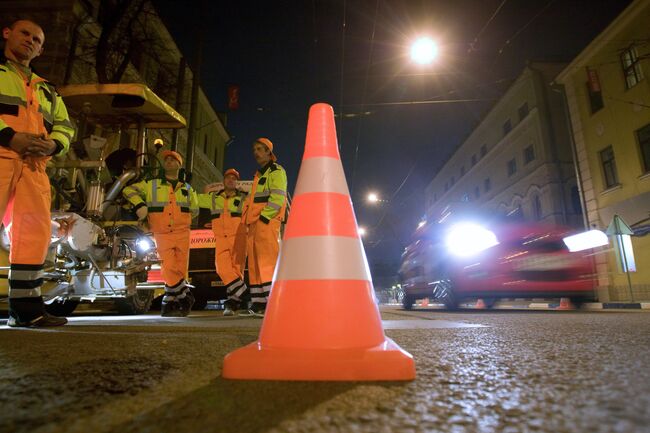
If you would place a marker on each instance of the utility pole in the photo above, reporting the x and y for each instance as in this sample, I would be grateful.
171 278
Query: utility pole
179 96
196 81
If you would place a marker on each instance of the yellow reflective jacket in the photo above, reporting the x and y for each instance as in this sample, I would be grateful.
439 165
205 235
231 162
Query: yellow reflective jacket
268 197
32 107
226 211
170 209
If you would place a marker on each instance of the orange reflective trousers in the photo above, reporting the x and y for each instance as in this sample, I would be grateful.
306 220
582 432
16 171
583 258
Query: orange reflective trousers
171 229
174 251
263 247
26 182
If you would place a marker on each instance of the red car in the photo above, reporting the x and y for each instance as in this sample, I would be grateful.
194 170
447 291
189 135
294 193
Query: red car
449 262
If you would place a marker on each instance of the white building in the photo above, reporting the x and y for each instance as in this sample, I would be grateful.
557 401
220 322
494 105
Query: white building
518 160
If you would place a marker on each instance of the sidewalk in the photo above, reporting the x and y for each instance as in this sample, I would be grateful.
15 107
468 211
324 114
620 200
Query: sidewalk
521 304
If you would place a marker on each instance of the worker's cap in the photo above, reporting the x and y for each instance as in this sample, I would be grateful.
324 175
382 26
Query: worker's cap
177 156
233 172
266 142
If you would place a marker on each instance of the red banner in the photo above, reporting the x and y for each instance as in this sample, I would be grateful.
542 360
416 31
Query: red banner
233 97
594 82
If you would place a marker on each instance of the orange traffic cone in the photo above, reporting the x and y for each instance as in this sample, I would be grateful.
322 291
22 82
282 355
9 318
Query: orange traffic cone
566 304
321 321
480 304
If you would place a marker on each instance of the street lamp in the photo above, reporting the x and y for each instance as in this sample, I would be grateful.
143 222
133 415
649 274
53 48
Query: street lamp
373 197
424 51
362 231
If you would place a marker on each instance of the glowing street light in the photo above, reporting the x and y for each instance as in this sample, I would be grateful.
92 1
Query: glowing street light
373 197
361 231
424 51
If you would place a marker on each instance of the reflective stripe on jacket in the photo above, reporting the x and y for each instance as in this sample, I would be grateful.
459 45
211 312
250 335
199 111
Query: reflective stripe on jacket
268 197
226 211
169 209
32 107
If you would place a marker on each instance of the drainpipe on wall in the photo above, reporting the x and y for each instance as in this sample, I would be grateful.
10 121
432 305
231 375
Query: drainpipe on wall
576 166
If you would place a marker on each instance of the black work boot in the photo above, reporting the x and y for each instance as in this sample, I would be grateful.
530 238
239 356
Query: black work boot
30 313
258 309
44 321
171 309
186 302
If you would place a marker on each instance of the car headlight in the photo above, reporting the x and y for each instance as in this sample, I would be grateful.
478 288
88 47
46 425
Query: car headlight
143 245
467 239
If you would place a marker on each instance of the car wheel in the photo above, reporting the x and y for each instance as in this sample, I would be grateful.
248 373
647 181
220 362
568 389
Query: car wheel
444 292
135 304
61 308
578 302
408 301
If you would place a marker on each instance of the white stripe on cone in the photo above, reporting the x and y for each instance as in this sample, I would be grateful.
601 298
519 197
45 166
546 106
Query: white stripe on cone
321 174
322 258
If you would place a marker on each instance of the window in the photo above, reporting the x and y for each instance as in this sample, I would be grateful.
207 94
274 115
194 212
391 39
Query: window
537 208
487 185
644 142
609 167
483 150
595 99
523 111
631 67
473 160
477 192
529 154
512 167
507 127
462 170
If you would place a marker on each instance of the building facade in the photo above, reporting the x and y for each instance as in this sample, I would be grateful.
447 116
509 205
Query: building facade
72 47
608 96
518 160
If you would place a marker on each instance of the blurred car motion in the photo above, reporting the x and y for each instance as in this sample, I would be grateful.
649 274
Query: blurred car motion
455 260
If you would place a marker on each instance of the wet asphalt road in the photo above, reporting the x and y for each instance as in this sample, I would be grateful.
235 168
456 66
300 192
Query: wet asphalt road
505 371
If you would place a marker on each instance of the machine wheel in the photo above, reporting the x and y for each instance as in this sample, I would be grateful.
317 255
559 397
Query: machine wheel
408 301
136 304
61 308
444 292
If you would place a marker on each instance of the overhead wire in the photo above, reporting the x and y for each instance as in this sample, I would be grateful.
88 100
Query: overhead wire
343 28
521 29
363 98
472 45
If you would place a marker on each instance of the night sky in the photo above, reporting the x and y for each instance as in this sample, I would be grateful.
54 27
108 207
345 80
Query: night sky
288 55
